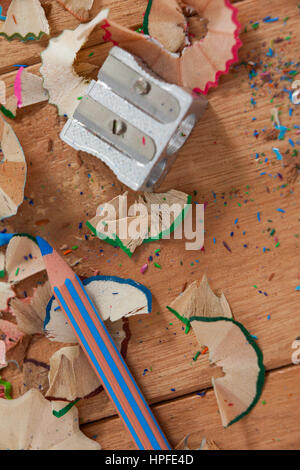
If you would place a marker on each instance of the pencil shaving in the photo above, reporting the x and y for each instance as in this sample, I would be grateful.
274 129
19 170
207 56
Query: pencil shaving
111 221
78 8
12 338
5 4
197 66
30 313
63 84
28 90
23 259
25 19
167 24
230 346
27 423
71 376
198 299
115 298
6 293
34 375
12 171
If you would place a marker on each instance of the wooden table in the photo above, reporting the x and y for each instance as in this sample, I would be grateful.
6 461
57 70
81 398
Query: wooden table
219 166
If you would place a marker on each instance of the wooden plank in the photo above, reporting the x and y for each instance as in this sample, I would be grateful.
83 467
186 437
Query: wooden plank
272 424
66 187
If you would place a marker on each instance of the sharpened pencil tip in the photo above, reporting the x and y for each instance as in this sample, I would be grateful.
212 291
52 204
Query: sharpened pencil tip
45 248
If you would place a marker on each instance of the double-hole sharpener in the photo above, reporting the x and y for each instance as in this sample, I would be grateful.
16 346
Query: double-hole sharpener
133 121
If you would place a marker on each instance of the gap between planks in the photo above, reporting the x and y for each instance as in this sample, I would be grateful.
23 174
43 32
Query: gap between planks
184 396
272 424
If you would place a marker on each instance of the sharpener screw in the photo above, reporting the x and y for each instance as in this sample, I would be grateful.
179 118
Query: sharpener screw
142 87
117 127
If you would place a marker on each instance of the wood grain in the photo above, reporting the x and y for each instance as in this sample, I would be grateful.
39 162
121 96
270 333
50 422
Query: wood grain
273 424
219 167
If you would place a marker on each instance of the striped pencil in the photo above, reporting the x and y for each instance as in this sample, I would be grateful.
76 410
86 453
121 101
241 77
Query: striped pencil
102 352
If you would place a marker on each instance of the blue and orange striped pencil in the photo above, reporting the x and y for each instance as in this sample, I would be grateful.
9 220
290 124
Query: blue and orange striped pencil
102 352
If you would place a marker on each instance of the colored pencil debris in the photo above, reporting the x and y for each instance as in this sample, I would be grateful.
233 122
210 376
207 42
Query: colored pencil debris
23 258
5 389
190 66
25 19
30 313
6 293
71 376
27 423
28 90
230 346
12 171
13 345
79 8
112 220
4 7
63 84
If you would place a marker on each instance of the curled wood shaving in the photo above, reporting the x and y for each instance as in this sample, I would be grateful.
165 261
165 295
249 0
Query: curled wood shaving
27 423
71 376
30 314
23 258
16 343
6 293
112 220
64 86
30 91
78 8
5 4
198 299
35 375
230 347
197 67
12 171
25 19
115 298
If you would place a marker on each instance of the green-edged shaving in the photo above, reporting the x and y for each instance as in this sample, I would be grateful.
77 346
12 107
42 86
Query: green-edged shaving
25 20
140 225
231 347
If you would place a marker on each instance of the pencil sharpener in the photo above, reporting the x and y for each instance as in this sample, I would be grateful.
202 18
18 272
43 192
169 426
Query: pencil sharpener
133 121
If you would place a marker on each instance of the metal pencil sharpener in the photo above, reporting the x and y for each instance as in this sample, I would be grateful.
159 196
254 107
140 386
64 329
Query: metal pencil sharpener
133 121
